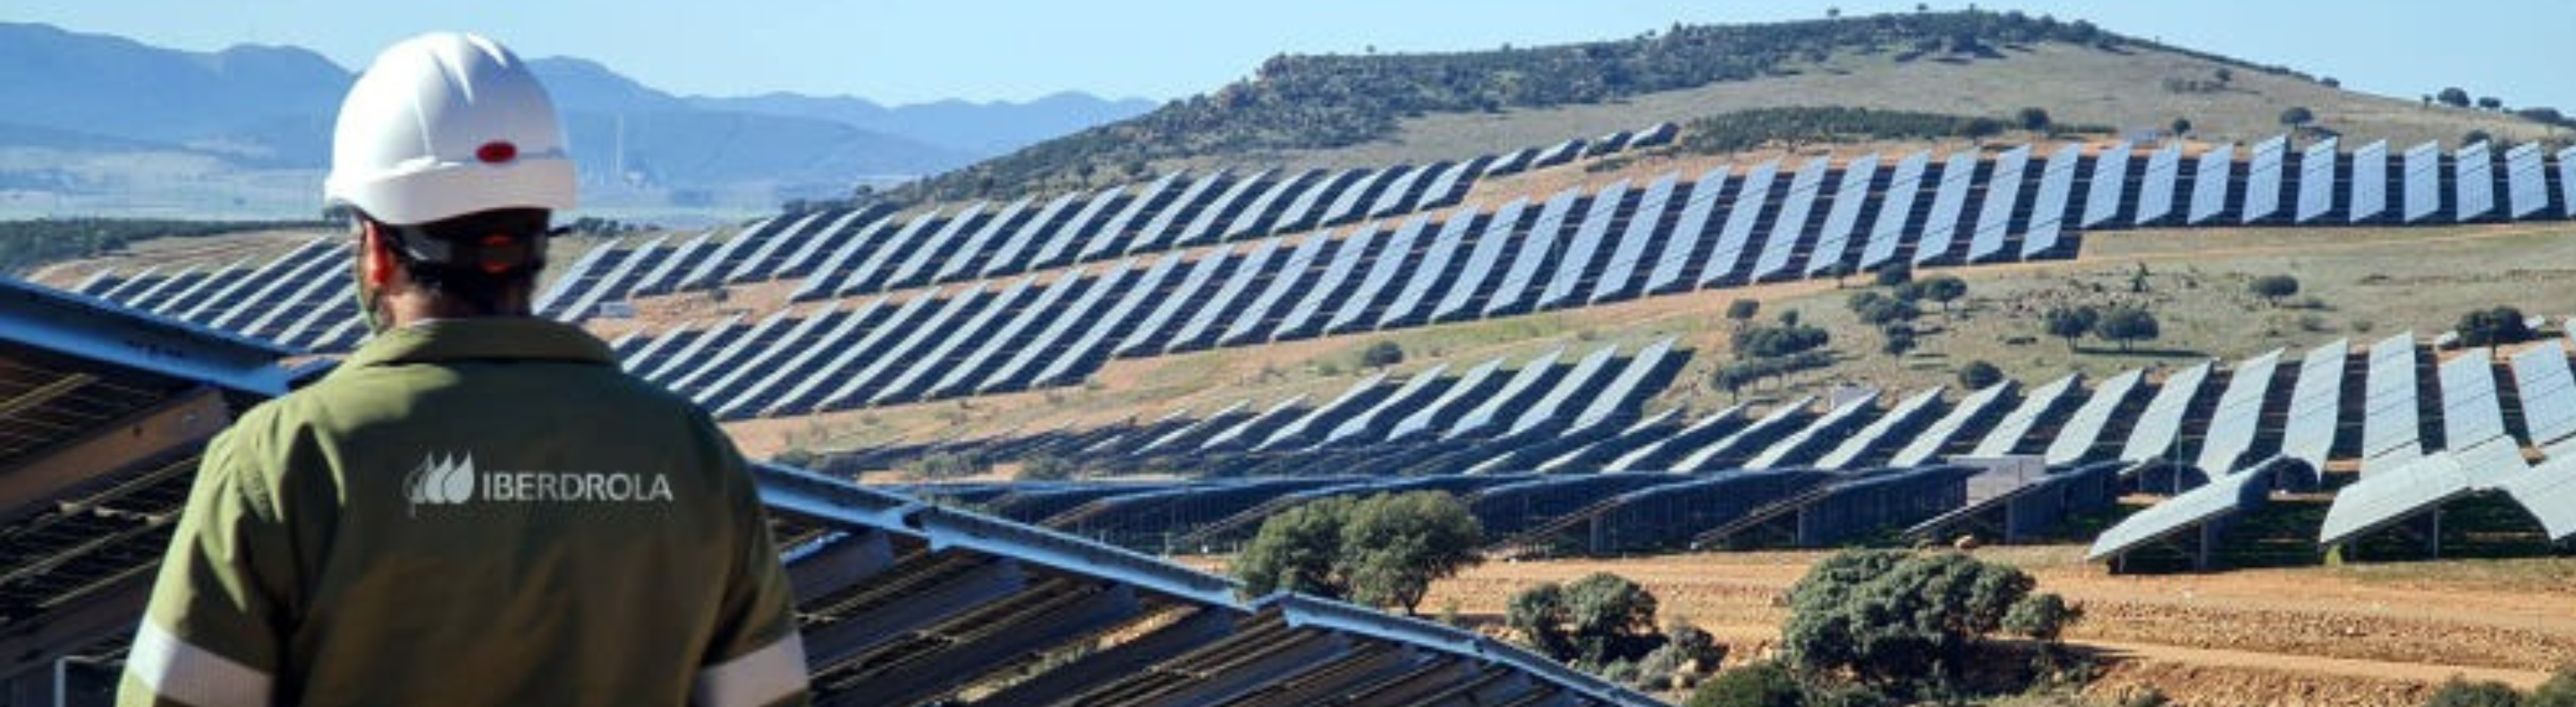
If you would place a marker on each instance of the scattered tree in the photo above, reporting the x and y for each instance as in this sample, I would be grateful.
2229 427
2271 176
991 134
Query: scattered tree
2453 97
2274 288
2071 323
1896 621
2495 326
2181 126
1382 354
1761 684
1295 551
2486 693
1978 375
2476 136
1395 545
2128 325
2042 617
2033 119
2491 103
2297 117
2223 74
1895 275
1899 339
1943 289
1742 312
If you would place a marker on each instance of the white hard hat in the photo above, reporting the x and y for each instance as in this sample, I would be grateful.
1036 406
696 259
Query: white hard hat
444 125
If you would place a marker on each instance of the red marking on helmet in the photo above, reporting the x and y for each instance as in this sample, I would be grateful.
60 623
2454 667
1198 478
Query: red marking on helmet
496 152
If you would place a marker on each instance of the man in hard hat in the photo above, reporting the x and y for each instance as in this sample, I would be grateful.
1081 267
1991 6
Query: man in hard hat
478 507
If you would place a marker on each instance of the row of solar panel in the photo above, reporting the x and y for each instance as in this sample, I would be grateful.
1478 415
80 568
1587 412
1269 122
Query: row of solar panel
2201 422
843 253
300 299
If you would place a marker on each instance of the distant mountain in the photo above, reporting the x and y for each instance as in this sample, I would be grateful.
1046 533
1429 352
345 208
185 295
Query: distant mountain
983 128
271 108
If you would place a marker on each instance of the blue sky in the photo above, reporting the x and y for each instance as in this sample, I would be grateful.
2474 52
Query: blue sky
905 51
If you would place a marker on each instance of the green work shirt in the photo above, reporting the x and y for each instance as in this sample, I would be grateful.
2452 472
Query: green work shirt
471 512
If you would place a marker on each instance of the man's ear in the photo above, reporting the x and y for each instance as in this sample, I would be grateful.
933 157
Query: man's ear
375 259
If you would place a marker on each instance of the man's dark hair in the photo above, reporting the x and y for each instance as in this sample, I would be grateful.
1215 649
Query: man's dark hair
475 260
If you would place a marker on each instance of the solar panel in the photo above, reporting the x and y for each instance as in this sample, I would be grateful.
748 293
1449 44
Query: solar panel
1514 395
1480 262
125 289
915 269
1271 418
842 231
1161 229
1949 201
2548 393
2317 180
2369 182
2158 433
1391 257
1790 227
2103 191
2048 212
2472 411
1629 387
1258 217
1512 163
2415 486
1115 234
1537 247
1254 323
1012 335
2567 182
1977 406
1550 406
1348 204
1201 325
1333 284
1910 414
728 254
1781 420
871 273
1724 261
303 265
2389 430
1301 212
1400 191
1414 391
609 283
1095 332
1994 217
775 381
1706 429
722 332
1581 251
1147 338
1076 233
1452 184
1895 210
195 290
1562 153
2263 180
724 360
1619 276
2526 180
2423 181
2156 187
2232 427
2473 182
2316 401
308 297
1205 226
1851 411
1697 210
765 356
1449 405
809 392
905 358
1010 256
1350 402
2209 185
1435 265
2035 408
2083 431
2222 497
1833 244
961 264
761 261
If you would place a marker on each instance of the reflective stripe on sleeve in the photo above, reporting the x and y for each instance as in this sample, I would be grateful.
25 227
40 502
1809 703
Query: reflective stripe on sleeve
181 672
756 678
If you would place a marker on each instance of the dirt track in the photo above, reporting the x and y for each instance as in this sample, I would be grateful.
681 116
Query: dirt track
2371 635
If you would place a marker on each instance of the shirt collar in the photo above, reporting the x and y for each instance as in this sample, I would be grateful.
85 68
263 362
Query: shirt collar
482 338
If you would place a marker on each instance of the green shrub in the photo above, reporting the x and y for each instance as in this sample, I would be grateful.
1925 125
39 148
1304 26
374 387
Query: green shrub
1762 684
2462 693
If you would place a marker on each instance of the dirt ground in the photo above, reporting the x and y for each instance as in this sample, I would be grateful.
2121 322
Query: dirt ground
2350 635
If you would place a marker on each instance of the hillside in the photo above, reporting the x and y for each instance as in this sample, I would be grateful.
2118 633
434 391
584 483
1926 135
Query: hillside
1334 110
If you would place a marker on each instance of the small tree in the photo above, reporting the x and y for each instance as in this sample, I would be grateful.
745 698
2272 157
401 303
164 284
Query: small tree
2032 119
2070 323
1296 551
1742 311
2476 136
2181 126
1395 545
2493 327
1894 275
1537 615
2453 97
1382 354
1899 339
1978 375
1896 620
2491 103
2042 617
2128 325
2462 693
1762 684
1943 289
2297 117
2274 288
1609 617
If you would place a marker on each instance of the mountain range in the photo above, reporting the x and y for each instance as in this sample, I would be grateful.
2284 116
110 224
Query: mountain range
71 96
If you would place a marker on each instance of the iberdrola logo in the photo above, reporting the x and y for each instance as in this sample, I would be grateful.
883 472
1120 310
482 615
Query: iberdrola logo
441 481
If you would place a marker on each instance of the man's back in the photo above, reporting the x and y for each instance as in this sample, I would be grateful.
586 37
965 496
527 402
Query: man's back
480 512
